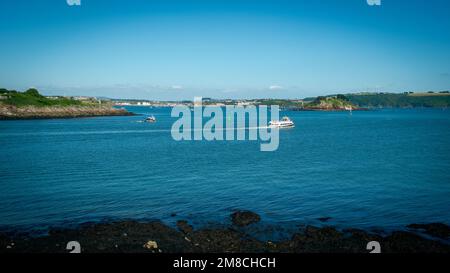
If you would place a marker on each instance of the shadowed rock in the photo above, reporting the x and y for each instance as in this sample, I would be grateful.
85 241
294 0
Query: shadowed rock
184 227
434 229
406 242
244 218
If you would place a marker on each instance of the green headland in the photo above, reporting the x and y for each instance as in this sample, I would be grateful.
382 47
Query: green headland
32 105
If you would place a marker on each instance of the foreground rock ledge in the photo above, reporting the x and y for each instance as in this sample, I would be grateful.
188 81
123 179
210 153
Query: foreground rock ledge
156 237
32 112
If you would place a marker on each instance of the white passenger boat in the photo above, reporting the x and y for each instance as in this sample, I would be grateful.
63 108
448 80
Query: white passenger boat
285 122
150 119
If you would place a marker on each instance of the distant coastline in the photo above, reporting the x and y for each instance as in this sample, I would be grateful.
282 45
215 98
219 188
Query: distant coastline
338 102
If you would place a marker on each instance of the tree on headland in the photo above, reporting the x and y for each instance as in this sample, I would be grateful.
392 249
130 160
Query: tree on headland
319 99
33 92
341 97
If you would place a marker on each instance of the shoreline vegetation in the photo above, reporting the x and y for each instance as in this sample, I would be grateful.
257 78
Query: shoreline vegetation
156 237
32 105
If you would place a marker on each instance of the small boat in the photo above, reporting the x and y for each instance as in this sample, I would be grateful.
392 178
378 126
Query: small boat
285 122
150 119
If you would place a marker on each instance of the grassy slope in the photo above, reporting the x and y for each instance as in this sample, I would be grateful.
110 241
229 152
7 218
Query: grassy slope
330 103
32 105
31 97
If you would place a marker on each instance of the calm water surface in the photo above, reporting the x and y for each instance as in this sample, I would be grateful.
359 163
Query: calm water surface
384 168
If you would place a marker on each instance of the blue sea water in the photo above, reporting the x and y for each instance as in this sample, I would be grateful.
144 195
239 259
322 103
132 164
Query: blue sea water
372 169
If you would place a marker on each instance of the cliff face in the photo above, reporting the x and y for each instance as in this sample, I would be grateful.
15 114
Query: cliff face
33 112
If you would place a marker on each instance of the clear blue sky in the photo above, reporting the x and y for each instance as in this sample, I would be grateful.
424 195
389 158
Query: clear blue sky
224 49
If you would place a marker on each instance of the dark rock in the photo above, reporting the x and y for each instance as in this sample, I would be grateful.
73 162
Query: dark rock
357 239
434 229
317 240
406 242
244 218
323 234
228 240
184 227
324 219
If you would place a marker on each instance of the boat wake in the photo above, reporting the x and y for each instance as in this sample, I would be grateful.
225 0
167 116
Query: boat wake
106 132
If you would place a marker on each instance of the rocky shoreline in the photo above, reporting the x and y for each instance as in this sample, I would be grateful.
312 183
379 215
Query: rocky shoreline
10 112
156 237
